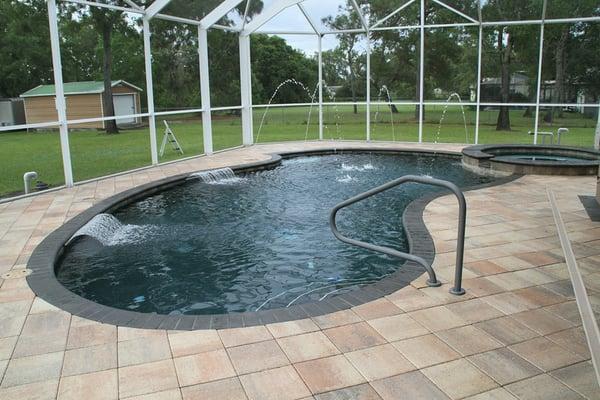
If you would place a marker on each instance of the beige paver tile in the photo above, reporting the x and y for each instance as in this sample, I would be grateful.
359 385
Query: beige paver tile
307 346
540 258
230 389
100 385
545 354
512 263
510 281
90 359
412 385
542 387
362 392
539 296
11 326
327 374
567 310
171 394
379 362
41 306
46 323
508 303
279 383
581 378
125 333
290 328
241 336
427 350
485 267
398 327
459 378
377 309
147 378
338 318
536 276
31 345
45 390
542 321
7 346
506 330
21 371
494 394
144 350
90 335
573 340
257 357
481 287
474 310
203 367
468 340
410 299
354 337
437 318
504 366
194 342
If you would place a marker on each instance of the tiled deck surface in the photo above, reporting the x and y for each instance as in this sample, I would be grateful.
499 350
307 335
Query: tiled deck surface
516 334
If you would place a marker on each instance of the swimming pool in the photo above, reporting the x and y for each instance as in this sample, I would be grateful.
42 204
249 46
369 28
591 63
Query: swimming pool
256 241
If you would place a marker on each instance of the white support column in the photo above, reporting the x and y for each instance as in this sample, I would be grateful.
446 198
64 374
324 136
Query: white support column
421 69
320 60
368 97
150 91
539 76
61 106
205 90
246 90
597 134
479 48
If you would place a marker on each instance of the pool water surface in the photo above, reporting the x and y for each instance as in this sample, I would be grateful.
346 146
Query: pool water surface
256 242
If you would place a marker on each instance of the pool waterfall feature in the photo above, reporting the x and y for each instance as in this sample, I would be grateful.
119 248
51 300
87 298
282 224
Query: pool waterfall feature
294 290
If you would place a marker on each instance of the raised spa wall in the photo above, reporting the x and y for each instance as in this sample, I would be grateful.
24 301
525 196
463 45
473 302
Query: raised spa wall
489 157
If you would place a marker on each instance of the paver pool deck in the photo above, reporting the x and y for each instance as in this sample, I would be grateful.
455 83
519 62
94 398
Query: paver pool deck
516 334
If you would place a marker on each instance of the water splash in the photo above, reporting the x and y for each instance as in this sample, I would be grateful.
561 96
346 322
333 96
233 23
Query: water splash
109 231
337 117
462 109
385 90
345 179
290 81
365 167
221 176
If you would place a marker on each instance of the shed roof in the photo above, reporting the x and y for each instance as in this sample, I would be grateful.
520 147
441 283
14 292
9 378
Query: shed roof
87 87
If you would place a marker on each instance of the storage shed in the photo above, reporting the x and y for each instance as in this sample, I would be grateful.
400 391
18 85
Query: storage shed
84 100
11 112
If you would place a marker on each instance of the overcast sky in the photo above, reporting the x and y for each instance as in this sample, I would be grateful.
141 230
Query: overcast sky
291 19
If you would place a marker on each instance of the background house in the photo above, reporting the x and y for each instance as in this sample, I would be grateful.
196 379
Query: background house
84 100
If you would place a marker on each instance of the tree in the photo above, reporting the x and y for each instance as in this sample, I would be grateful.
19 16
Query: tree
25 42
347 19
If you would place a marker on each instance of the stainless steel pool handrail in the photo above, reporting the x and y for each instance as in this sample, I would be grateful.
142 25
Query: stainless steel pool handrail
460 245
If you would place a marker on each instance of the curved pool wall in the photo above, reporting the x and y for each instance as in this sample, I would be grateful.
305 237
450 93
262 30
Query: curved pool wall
521 159
44 260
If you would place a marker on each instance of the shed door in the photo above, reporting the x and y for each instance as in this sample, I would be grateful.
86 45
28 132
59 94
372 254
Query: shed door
124 105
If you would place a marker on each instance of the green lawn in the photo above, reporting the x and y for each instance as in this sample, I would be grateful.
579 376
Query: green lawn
96 154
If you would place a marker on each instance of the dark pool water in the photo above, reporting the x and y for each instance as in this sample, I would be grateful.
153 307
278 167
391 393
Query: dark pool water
262 241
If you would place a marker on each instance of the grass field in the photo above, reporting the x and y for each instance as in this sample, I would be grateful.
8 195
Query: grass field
96 154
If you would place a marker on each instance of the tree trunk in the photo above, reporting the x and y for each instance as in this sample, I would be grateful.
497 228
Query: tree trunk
107 96
560 62
503 123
